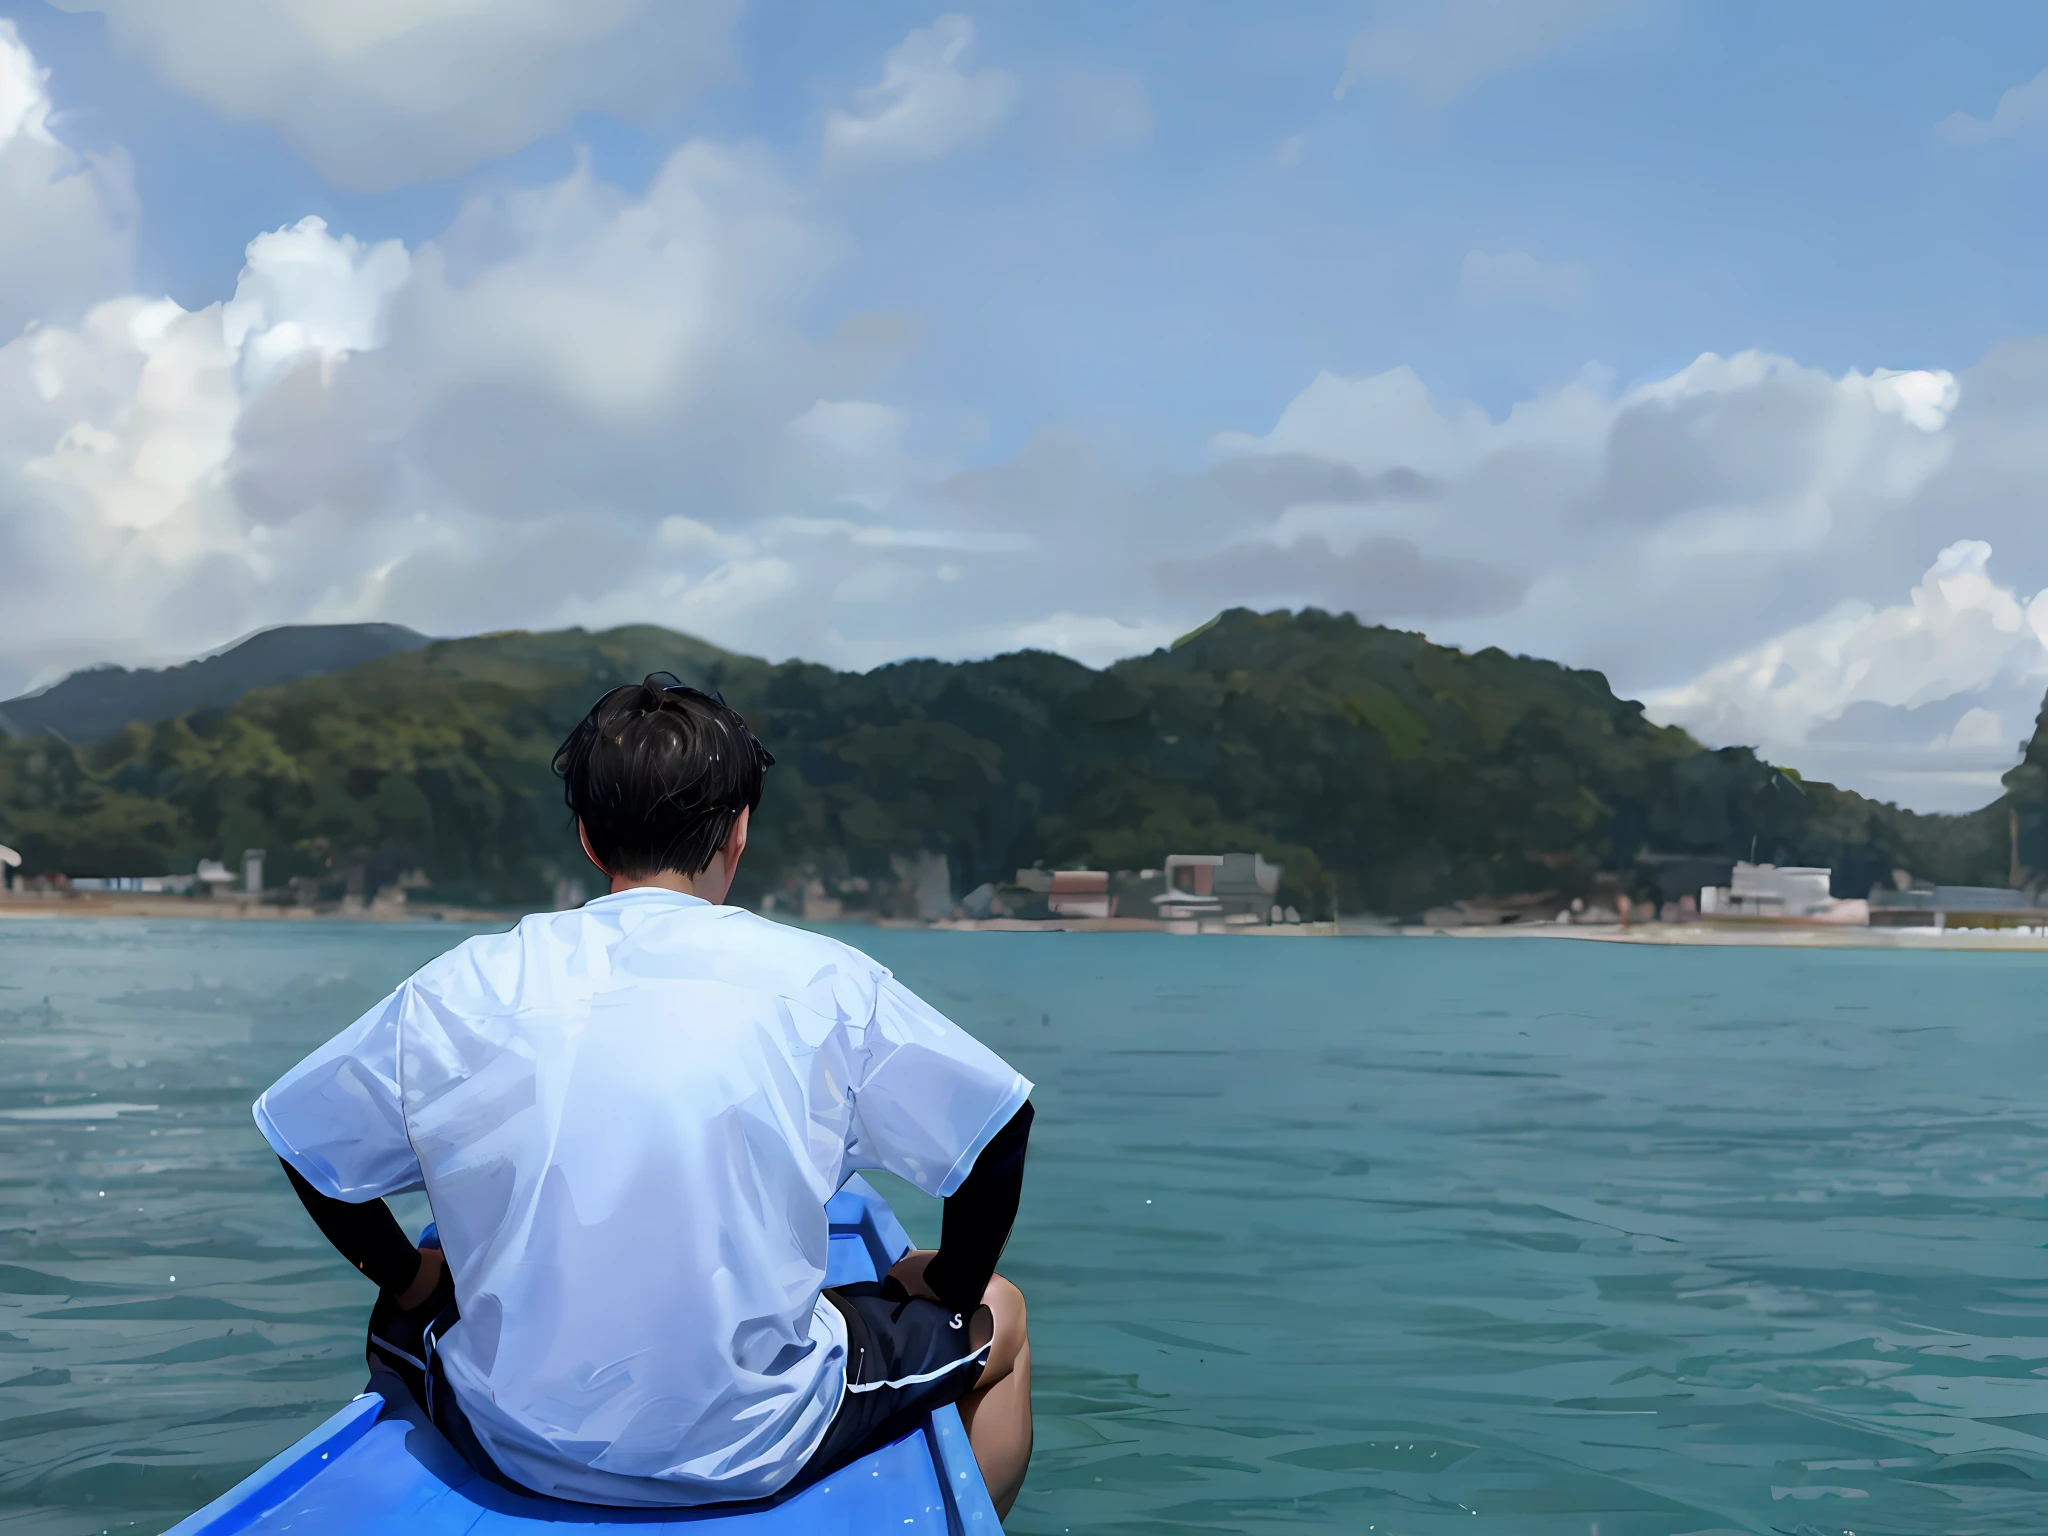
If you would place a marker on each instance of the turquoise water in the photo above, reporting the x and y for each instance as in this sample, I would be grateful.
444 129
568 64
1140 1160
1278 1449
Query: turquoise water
1389 1235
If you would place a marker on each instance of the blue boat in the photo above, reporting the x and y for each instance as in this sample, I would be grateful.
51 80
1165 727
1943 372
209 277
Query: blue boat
380 1467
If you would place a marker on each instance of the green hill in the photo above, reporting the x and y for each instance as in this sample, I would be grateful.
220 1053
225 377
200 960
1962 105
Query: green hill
95 703
1386 773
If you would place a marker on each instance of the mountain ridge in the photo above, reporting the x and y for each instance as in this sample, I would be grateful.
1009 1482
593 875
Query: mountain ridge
96 702
1384 772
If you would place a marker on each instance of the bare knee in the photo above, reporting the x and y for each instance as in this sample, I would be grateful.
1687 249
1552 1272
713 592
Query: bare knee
1003 1296
1006 1306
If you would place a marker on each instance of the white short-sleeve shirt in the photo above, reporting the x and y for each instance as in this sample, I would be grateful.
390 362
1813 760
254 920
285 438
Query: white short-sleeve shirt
628 1119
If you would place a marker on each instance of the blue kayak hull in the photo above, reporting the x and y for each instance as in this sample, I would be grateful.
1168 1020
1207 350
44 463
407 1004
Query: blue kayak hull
378 1468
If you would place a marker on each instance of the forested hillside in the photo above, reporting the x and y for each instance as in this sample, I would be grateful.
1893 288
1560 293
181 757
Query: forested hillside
90 705
1386 773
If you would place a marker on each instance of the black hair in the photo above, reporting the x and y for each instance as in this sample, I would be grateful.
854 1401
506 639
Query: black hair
658 773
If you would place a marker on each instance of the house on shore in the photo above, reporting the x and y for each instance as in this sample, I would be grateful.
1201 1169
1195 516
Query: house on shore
1236 887
1079 893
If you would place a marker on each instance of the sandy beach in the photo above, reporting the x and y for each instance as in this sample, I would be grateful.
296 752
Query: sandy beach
1739 933
224 910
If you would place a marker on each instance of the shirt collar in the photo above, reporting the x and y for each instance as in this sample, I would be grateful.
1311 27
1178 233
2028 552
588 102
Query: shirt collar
647 893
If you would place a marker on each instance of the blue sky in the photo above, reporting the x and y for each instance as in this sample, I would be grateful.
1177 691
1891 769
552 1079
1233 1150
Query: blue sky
1729 175
993 370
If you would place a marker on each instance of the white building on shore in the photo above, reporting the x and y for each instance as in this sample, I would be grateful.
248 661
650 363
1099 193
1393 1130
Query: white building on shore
1770 890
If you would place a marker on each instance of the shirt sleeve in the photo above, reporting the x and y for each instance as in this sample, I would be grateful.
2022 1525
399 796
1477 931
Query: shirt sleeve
337 1117
928 1096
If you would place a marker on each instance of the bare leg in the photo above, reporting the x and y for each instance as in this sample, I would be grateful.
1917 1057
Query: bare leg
997 1413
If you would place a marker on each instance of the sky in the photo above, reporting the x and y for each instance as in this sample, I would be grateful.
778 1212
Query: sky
1700 342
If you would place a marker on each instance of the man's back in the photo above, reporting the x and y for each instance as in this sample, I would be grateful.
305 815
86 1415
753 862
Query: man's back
628 1120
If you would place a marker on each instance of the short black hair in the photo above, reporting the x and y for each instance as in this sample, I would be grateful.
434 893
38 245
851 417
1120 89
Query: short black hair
658 773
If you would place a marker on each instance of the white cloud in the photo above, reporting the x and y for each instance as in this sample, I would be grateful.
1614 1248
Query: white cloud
2020 110
304 291
1920 397
1681 525
379 93
574 406
120 527
1517 277
1391 420
67 221
926 107
490 426
1936 691
1440 49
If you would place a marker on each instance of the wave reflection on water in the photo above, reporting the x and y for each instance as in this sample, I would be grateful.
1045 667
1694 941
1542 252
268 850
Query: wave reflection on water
1402 1236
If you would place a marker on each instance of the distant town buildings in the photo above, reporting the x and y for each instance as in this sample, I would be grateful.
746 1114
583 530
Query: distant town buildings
1958 906
137 885
1801 894
211 878
1191 888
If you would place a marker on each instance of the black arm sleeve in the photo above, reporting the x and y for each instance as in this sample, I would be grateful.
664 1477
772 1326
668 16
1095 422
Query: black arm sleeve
978 1218
367 1235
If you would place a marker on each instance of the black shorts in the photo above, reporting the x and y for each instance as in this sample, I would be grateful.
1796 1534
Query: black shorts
905 1356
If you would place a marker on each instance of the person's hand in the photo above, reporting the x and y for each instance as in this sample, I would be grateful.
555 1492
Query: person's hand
432 1263
908 1272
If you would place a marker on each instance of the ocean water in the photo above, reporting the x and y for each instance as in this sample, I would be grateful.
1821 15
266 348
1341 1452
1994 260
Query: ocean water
1380 1235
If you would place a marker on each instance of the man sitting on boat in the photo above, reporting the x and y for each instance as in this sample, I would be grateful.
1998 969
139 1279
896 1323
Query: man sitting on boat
628 1119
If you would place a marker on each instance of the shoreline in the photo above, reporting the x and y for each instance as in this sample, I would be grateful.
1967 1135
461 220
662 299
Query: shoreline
1737 934
1763 935
219 910
1731 934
